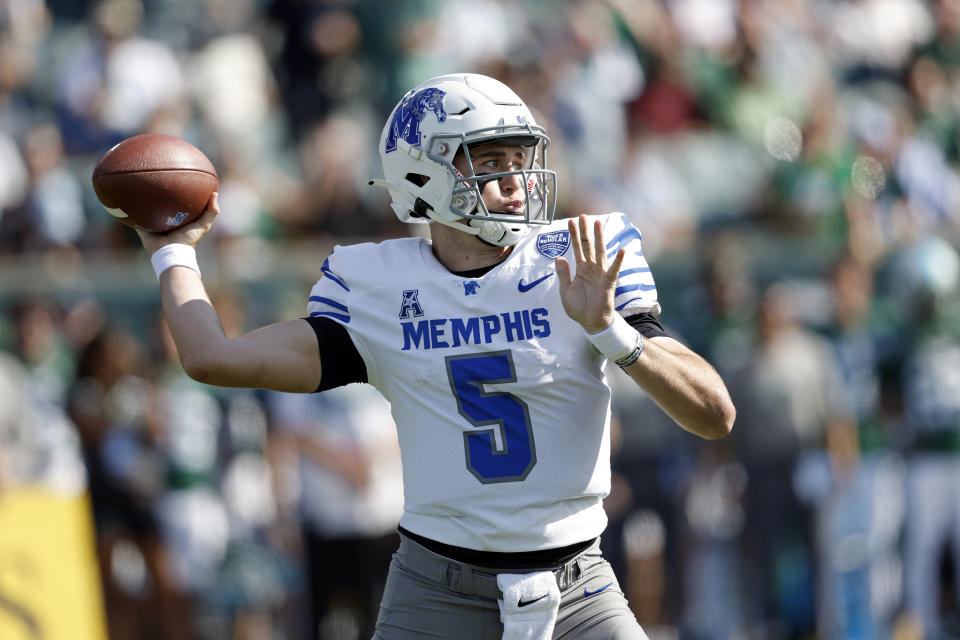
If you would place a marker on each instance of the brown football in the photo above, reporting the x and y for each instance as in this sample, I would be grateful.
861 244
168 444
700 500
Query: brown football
155 182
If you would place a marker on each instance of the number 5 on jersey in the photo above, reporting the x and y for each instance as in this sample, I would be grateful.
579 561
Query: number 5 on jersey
512 460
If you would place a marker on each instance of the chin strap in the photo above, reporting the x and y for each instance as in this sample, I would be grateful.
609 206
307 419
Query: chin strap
421 208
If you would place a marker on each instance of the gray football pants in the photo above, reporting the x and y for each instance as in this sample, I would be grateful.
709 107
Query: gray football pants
431 596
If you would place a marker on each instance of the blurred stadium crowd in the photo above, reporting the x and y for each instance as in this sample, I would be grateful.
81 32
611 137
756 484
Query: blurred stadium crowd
792 164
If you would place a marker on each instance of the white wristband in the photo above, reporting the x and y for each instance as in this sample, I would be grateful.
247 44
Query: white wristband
619 342
174 255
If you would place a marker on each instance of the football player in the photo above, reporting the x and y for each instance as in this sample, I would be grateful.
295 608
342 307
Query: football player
490 340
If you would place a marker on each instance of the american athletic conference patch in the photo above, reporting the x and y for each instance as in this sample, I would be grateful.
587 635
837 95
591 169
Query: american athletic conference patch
553 243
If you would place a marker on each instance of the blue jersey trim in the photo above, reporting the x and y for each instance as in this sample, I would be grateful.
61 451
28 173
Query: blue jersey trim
634 287
615 249
332 303
621 307
325 270
330 314
624 237
630 272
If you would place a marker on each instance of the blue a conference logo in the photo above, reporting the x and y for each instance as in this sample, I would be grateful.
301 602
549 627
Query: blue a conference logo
410 305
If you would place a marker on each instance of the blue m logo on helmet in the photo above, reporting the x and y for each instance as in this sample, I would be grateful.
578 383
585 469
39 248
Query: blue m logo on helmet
411 112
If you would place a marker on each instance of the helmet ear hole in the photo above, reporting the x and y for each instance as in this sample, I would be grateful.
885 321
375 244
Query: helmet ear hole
417 178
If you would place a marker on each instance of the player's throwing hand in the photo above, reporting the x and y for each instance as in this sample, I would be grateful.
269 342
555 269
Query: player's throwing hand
189 234
588 296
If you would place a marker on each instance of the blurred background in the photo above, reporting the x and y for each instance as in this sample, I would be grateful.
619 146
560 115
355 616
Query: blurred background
792 164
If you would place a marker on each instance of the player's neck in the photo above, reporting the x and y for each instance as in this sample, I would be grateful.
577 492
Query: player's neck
459 251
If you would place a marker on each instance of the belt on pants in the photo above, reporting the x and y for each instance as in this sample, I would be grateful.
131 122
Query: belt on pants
472 580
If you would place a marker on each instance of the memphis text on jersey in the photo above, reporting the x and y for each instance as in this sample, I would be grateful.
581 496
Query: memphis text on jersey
445 333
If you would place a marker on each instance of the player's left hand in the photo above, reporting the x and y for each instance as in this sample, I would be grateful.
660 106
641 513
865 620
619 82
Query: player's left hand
588 296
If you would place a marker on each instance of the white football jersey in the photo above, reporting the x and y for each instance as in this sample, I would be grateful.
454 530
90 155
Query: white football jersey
501 403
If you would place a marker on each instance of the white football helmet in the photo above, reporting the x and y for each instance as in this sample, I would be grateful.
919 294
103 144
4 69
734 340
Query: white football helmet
447 114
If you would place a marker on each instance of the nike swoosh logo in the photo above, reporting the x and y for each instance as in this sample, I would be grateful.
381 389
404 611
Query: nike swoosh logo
522 287
524 603
587 592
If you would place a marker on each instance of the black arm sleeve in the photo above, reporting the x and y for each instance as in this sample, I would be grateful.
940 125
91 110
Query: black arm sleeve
647 325
341 363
